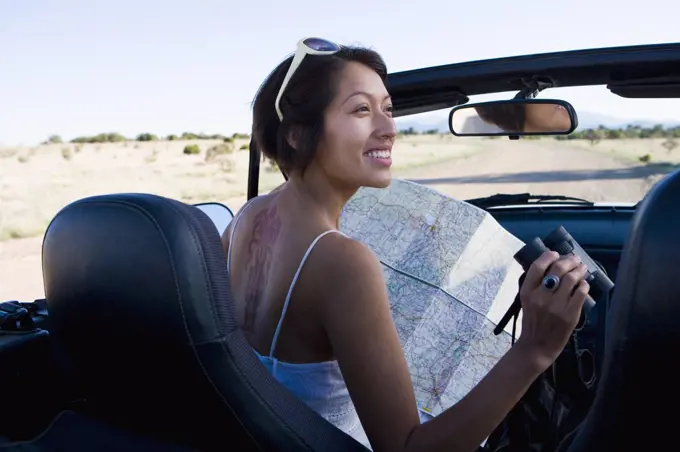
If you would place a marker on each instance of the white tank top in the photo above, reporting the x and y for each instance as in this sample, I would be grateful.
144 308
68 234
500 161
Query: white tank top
320 385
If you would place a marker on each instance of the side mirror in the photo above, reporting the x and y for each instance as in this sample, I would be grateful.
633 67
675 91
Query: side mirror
515 117
220 214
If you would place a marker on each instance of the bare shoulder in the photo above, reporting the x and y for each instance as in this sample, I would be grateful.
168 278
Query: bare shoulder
341 249
351 285
342 259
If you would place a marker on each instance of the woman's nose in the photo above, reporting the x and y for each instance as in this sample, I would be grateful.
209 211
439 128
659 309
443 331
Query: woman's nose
387 128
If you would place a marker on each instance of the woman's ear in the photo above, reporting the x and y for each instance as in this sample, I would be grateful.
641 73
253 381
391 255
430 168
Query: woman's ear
293 137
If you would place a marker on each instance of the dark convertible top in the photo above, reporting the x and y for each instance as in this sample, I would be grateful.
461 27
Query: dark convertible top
631 71
645 71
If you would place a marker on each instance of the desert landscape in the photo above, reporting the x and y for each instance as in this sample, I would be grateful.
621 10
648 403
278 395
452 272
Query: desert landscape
35 182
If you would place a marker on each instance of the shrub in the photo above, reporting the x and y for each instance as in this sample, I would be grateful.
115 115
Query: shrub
190 149
153 157
670 144
218 149
7 153
66 153
112 137
227 165
146 137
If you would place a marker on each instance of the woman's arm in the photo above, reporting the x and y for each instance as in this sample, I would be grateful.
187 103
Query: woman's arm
465 425
354 311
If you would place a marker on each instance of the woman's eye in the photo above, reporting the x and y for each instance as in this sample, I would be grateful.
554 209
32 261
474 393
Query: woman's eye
365 108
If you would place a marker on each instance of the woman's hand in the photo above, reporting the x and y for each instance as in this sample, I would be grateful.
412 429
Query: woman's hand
551 314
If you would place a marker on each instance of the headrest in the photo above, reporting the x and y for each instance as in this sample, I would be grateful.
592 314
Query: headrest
140 301
119 268
639 382
132 283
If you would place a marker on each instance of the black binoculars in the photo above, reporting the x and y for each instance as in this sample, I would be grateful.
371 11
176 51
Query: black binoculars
563 243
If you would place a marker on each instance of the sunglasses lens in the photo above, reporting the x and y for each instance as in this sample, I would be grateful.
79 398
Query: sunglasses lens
321 45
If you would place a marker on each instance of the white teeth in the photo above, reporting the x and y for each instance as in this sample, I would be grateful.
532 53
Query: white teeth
379 154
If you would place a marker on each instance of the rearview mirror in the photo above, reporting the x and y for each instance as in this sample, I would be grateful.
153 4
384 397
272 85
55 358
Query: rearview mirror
515 117
220 214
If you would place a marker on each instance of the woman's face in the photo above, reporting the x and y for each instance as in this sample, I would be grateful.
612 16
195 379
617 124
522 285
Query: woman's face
546 118
356 149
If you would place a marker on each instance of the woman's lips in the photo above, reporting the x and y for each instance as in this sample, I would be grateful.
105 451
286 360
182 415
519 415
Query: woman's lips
382 157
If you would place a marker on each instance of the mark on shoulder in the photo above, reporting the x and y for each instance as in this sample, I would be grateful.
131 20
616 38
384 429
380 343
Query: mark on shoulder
266 226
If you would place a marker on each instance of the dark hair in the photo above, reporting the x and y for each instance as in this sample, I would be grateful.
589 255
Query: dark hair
509 117
306 97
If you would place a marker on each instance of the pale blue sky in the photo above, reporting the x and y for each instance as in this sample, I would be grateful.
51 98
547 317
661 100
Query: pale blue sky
77 67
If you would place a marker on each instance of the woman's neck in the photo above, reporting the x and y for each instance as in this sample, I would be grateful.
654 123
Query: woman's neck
320 194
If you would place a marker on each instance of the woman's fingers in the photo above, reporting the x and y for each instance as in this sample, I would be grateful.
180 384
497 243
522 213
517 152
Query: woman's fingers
577 299
570 280
537 270
563 266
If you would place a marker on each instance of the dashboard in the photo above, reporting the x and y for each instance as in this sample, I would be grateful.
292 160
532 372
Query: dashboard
601 231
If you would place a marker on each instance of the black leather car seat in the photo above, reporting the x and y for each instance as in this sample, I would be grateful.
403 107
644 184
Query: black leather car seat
74 432
639 392
139 298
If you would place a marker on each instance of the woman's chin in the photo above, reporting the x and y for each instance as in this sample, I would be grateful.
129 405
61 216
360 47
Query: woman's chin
378 180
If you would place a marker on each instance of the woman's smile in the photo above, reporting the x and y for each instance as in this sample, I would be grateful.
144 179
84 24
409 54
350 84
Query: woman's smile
380 156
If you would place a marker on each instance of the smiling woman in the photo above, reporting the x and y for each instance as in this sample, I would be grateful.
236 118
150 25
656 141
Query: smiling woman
324 117
313 303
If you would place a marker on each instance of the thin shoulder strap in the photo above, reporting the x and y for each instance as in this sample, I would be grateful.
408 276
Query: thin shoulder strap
292 285
233 229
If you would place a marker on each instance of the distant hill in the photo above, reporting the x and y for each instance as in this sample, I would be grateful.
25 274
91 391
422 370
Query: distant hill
586 120
589 120
425 124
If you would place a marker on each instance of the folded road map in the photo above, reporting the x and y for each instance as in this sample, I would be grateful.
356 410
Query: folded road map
450 275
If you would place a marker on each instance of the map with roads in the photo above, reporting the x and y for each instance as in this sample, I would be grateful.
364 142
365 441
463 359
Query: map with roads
450 276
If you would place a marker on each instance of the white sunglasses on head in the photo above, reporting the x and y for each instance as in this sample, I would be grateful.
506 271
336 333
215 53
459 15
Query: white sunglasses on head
306 46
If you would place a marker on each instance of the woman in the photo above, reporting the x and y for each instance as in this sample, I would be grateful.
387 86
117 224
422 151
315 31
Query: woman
313 303
526 118
509 117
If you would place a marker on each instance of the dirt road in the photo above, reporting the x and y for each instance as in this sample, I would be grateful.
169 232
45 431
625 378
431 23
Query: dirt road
537 168
534 167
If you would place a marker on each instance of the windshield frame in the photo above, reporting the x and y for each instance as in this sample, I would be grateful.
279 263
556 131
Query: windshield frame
438 87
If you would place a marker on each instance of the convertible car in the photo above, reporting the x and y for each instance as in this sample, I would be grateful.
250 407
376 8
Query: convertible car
135 345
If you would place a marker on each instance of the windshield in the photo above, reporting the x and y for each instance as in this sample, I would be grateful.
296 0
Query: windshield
621 147
632 144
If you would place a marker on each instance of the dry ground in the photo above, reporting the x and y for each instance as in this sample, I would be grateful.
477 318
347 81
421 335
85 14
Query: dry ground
631 149
606 172
36 182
